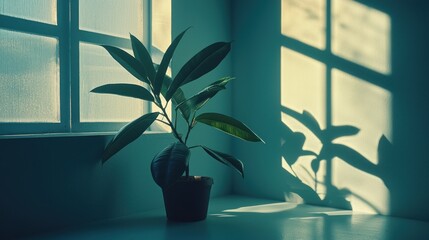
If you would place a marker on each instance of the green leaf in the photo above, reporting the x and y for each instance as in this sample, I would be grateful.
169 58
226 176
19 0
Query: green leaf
169 164
126 90
128 133
226 159
197 101
142 54
200 64
222 82
228 125
132 65
160 74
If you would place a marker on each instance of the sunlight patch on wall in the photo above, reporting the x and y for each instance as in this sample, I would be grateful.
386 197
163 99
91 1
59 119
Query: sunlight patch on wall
303 84
368 107
364 105
361 34
304 20
302 88
368 192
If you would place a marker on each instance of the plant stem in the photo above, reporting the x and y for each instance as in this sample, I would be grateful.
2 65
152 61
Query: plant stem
187 133
190 127
166 123
175 120
175 133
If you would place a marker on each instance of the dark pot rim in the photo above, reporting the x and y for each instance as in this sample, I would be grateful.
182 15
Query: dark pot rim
196 180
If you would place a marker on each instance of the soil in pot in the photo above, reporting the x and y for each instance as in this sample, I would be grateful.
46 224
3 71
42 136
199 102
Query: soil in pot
187 200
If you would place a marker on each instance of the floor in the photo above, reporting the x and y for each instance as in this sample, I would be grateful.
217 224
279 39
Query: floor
236 217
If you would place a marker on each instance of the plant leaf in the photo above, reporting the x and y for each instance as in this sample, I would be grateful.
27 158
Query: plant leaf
228 125
142 54
160 74
226 159
200 64
169 164
127 134
126 90
132 65
197 101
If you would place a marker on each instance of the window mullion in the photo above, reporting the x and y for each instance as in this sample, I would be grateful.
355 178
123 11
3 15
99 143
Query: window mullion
74 64
63 10
147 36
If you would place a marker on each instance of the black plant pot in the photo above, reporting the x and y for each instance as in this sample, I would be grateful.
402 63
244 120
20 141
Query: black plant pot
188 199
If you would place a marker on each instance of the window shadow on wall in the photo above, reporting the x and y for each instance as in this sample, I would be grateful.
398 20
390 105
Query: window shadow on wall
336 103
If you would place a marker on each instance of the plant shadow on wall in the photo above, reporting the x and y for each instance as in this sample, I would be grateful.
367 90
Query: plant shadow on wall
336 64
323 191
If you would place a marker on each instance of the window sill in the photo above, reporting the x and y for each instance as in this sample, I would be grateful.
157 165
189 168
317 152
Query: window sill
70 134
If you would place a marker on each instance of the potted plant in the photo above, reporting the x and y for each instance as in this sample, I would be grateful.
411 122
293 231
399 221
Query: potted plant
185 197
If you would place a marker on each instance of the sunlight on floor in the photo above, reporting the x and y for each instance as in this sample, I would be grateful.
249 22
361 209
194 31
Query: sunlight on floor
265 208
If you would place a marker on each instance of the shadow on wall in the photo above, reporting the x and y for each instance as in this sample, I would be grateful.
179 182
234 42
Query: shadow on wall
316 189
336 64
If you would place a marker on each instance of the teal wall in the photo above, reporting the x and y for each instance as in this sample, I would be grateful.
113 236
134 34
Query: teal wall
46 183
361 173
52 182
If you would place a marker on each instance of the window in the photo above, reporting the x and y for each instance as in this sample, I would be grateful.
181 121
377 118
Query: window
51 59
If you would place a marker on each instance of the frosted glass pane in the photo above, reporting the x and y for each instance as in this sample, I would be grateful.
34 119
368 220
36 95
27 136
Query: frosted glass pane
161 24
305 20
112 17
38 10
161 39
97 67
361 34
29 78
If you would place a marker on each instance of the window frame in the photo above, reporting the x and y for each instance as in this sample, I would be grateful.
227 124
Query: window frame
69 36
